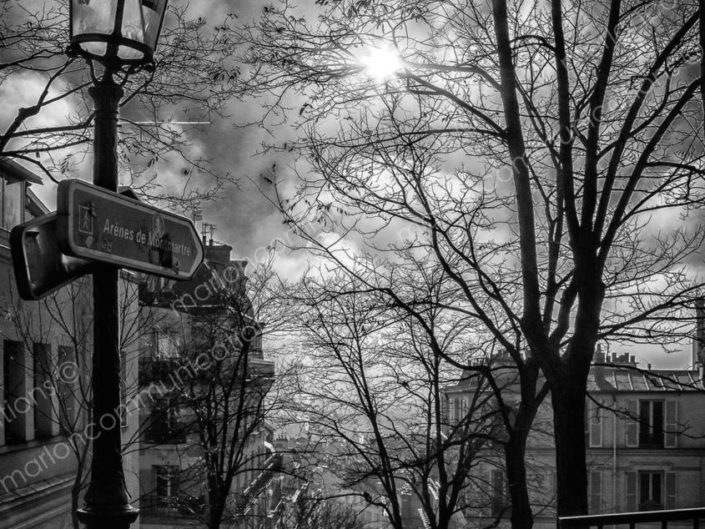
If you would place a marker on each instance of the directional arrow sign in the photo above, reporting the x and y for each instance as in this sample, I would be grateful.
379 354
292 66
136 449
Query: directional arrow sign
104 226
40 267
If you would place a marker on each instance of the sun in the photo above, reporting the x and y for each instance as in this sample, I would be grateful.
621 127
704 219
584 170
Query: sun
380 63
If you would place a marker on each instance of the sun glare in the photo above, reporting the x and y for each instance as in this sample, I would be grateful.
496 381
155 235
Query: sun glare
380 64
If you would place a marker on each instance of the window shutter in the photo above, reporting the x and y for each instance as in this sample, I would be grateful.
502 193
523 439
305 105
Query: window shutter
671 424
630 497
499 491
595 491
595 425
670 490
632 425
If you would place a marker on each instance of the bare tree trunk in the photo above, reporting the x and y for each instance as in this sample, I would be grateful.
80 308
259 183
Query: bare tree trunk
514 451
569 426
701 40
216 505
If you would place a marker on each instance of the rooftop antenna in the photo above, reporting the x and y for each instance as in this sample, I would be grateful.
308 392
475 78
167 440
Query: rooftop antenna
196 213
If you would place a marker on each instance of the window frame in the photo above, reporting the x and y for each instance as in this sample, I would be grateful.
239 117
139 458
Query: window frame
651 413
173 338
635 423
170 473
633 481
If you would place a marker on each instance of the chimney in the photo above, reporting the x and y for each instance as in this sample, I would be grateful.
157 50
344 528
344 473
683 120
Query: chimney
699 338
599 355
599 369
218 254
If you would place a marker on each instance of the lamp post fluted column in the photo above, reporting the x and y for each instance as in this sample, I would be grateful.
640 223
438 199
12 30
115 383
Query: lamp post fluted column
106 501
121 36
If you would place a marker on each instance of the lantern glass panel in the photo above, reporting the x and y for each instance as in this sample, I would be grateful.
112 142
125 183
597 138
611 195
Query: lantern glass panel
116 31
132 23
99 49
93 18
152 10
131 29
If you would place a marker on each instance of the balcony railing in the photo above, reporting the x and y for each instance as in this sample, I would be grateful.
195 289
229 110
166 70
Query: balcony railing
272 465
173 506
633 518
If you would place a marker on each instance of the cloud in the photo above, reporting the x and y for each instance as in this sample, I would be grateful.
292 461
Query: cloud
22 89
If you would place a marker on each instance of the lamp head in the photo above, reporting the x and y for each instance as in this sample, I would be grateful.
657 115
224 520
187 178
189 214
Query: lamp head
116 33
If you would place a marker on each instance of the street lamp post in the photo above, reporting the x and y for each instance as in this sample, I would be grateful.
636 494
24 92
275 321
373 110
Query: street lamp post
121 36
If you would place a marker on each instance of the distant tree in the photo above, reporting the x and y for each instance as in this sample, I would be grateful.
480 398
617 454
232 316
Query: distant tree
215 388
548 156
316 513
374 388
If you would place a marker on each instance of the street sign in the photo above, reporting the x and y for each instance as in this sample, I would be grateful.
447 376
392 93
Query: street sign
40 267
98 224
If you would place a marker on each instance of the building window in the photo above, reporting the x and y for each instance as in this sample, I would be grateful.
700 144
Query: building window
652 423
166 482
163 425
18 407
649 490
166 344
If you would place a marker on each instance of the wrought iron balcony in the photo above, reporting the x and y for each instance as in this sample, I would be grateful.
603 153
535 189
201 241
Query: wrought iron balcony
632 519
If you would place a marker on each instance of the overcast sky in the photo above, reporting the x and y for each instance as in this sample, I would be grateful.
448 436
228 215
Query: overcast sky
243 218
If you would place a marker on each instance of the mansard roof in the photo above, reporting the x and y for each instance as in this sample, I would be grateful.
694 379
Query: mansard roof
632 379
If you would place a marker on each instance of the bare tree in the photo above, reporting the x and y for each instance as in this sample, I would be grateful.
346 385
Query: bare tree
190 80
62 391
547 156
311 512
374 388
219 388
